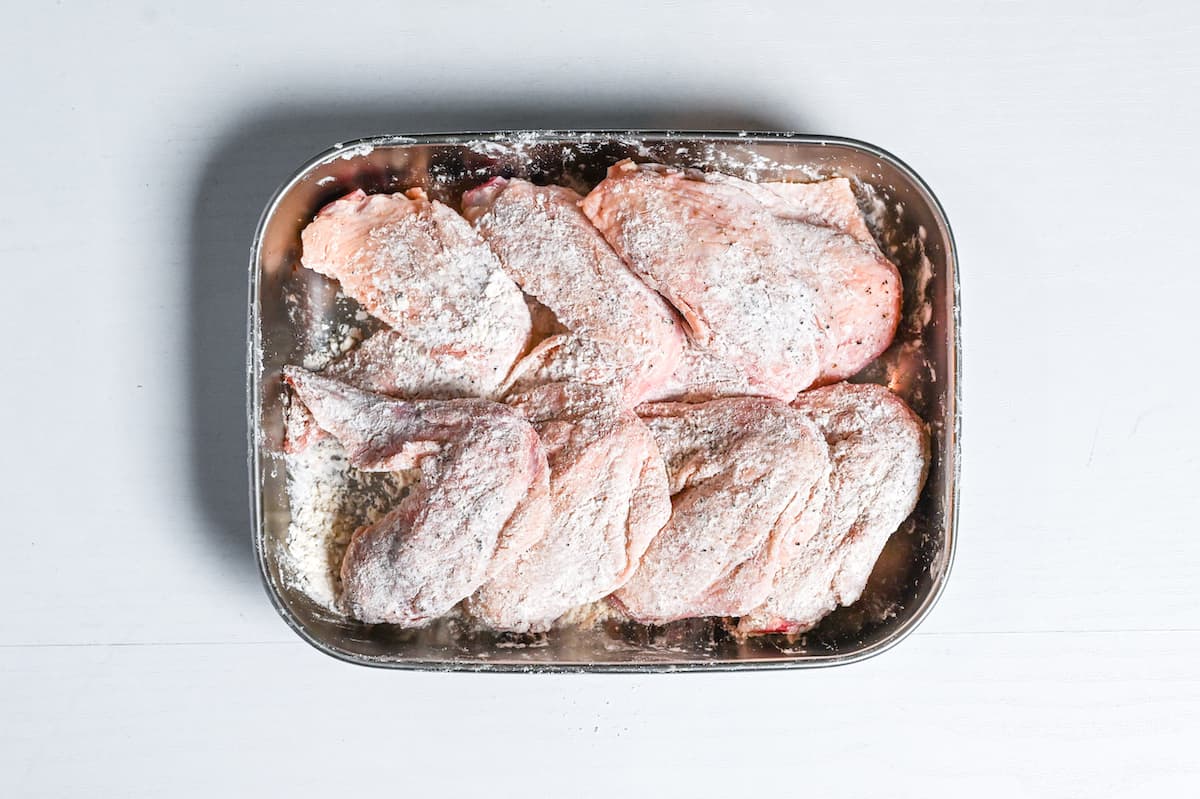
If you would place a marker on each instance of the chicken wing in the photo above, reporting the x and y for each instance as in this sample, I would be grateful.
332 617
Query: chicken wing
482 499
773 281
880 453
858 290
626 333
419 267
712 251
747 478
608 493
826 203
388 363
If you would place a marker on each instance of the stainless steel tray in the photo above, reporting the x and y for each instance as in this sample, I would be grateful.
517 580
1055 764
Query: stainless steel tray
922 366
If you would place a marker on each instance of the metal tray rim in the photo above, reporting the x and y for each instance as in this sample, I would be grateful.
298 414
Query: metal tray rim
253 401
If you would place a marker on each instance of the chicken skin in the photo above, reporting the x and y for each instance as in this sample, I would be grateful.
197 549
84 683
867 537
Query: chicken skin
880 454
769 288
746 476
608 496
624 332
482 499
417 265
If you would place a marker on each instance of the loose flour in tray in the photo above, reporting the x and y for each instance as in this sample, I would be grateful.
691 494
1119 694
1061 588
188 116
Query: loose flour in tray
330 499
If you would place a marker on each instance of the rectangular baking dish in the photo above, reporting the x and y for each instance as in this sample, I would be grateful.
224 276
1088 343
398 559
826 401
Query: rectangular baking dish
922 366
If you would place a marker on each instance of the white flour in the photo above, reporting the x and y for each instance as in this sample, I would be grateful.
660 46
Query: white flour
329 500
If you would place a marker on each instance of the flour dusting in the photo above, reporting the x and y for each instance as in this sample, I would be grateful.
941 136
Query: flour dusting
329 500
452 303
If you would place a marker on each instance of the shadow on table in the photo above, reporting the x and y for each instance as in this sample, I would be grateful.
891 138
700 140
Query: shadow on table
243 168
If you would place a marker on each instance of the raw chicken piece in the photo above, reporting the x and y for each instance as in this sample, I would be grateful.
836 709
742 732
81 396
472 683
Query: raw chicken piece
482 499
300 429
627 334
702 376
608 492
858 297
880 454
747 478
827 203
715 253
566 358
783 302
419 267
388 363
858 292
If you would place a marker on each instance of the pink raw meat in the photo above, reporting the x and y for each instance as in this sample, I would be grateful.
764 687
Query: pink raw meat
626 333
880 453
608 492
859 293
419 267
772 292
747 479
482 499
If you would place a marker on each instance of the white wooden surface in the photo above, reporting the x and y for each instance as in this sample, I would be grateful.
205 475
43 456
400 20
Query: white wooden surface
138 654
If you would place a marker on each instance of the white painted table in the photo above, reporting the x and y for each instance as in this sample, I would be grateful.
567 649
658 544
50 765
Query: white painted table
138 654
